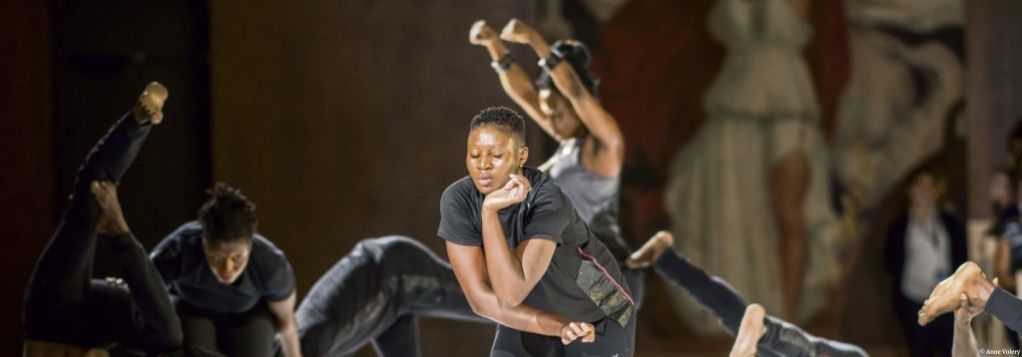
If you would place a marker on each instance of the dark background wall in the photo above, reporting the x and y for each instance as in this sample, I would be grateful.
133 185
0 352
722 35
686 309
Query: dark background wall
26 165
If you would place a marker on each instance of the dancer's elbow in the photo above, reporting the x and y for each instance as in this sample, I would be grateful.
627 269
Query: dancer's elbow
510 299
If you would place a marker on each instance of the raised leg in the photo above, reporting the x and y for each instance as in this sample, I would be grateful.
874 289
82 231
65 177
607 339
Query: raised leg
62 278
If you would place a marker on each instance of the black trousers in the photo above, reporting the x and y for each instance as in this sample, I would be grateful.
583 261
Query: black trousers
781 338
375 294
612 339
63 304
247 334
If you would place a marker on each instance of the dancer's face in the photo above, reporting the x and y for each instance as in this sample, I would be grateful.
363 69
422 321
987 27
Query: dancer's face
492 157
227 260
559 113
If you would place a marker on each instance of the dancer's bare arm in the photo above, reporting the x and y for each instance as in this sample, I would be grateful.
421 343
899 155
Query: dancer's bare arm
609 153
516 83
470 268
287 325
512 274
964 341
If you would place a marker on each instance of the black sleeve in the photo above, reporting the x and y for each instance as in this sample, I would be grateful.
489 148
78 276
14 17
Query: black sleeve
167 258
281 281
456 224
549 215
1005 307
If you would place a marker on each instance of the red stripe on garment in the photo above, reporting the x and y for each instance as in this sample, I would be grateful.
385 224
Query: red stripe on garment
605 273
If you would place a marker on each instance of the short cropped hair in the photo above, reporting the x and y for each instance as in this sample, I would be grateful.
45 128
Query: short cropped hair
507 120
228 216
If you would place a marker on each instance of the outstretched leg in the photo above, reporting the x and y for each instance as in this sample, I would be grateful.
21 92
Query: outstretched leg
65 267
62 278
779 339
710 291
786 339
371 290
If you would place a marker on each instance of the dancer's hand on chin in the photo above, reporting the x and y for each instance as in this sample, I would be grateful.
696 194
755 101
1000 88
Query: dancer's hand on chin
517 31
481 34
514 191
576 330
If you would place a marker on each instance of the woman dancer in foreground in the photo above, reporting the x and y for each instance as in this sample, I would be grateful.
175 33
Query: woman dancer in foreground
376 293
67 313
525 258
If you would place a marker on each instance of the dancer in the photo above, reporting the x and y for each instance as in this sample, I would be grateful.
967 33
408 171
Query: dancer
66 312
376 294
233 287
587 166
558 271
754 331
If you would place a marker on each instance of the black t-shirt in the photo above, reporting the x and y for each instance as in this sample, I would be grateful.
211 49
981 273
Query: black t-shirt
184 269
582 283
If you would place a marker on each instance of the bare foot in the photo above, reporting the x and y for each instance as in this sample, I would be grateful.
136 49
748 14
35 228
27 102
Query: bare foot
149 107
750 332
111 221
649 252
944 297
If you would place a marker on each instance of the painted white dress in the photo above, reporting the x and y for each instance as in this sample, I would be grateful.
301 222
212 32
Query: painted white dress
760 108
